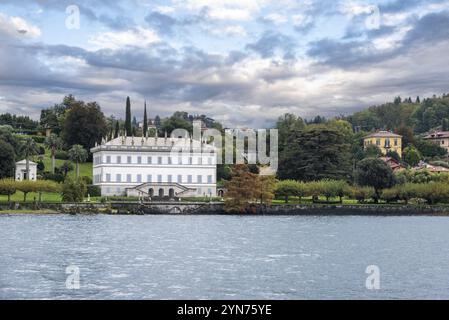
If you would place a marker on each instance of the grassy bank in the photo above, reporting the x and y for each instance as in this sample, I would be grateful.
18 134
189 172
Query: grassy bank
39 212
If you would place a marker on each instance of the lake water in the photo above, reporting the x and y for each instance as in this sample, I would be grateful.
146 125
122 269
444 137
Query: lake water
223 257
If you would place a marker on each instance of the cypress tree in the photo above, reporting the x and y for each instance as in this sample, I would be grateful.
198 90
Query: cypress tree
128 127
418 100
145 120
117 129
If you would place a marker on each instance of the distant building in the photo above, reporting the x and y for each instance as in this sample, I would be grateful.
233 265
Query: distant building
430 168
21 172
440 138
393 164
154 168
386 141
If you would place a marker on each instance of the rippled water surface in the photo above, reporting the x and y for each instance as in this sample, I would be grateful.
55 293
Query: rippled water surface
223 257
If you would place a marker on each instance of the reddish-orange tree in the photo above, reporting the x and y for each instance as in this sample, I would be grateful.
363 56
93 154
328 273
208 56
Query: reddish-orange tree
242 189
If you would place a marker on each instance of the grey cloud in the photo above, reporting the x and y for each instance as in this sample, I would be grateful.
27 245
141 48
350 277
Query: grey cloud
267 45
356 53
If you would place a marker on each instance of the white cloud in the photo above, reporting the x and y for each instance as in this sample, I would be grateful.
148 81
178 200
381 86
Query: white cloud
276 18
240 10
138 37
164 9
301 20
352 8
16 27
235 31
229 14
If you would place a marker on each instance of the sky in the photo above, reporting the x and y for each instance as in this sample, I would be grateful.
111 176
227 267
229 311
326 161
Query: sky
242 62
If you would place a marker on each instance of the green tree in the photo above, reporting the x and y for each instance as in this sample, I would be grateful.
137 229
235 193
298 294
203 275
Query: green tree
157 122
372 151
78 155
319 152
73 190
44 186
174 122
374 173
394 155
429 149
265 187
53 142
7 160
26 186
145 121
84 124
28 149
7 188
412 156
65 168
286 189
286 126
128 125
117 129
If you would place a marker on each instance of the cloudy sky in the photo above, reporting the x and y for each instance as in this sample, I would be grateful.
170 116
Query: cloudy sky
244 62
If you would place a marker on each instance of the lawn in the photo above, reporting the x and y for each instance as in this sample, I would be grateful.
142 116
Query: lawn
85 168
18 197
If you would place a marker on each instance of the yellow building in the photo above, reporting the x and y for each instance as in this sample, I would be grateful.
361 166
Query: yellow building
386 141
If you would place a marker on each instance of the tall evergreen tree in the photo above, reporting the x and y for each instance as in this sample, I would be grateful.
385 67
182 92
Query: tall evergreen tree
128 126
418 100
157 121
145 120
117 129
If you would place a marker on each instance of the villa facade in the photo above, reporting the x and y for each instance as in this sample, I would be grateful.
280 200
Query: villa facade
386 141
155 168
440 138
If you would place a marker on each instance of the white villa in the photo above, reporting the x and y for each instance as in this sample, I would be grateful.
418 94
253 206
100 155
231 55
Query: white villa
155 167
21 172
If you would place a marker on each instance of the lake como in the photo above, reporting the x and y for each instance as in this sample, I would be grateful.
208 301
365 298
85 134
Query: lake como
223 257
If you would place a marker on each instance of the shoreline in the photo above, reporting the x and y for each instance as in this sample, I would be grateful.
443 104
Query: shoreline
197 209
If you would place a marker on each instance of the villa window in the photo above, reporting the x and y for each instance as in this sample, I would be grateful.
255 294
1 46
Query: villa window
200 161
169 160
179 160
149 178
139 160
396 142
159 160
169 178
387 143
149 160
159 178
108 159
129 159
189 178
128 178
119 159
209 161
139 178
190 160
200 179
442 142
119 177
179 178
108 177
209 179
378 142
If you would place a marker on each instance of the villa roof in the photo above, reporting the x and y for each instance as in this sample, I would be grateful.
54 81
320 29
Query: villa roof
383 134
438 135
142 143
24 162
